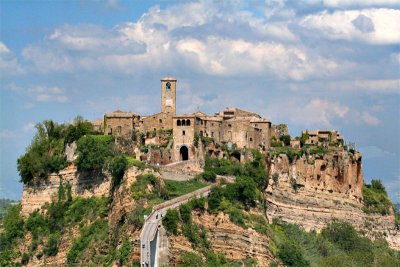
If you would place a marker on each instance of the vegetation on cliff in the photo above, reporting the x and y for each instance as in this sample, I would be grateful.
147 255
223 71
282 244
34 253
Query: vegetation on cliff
376 199
46 152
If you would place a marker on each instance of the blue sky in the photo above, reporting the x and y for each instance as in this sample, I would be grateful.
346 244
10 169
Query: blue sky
331 64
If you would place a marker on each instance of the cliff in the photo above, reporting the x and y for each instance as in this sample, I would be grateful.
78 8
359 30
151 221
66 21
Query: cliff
38 192
315 189
235 242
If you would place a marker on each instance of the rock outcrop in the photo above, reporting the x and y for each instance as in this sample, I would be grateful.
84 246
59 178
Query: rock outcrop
235 242
314 189
38 192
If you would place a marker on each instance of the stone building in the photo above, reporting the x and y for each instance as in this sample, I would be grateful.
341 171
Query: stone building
322 137
120 123
231 126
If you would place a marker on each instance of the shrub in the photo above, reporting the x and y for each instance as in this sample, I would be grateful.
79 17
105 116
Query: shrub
170 221
345 237
215 198
51 247
285 139
136 217
117 167
209 176
124 252
93 152
190 259
292 255
376 199
186 213
96 231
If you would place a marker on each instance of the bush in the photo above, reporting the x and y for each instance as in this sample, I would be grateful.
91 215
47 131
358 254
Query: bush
209 176
190 259
51 247
93 152
170 221
285 139
376 199
186 213
343 235
117 167
95 232
124 252
292 255
215 197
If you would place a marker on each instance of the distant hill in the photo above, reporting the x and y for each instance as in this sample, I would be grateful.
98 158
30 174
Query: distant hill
4 205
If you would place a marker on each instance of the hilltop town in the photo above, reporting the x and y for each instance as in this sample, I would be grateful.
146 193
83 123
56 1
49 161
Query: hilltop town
172 137
168 189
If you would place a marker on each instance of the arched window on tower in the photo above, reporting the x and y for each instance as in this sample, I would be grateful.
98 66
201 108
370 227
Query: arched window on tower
168 86
178 122
183 122
188 122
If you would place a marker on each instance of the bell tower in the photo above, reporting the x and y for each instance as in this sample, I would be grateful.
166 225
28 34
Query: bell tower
168 95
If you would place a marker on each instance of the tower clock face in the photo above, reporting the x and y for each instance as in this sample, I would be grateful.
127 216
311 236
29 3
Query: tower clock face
169 102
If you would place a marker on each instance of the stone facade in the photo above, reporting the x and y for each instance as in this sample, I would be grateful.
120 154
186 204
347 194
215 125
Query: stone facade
156 122
322 137
120 123
168 95
232 126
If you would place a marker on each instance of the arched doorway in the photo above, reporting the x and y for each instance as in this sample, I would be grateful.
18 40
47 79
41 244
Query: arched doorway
184 153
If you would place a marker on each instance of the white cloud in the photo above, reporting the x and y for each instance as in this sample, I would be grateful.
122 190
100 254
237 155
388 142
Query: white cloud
382 24
370 119
6 134
39 93
8 62
352 3
28 127
314 113
375 86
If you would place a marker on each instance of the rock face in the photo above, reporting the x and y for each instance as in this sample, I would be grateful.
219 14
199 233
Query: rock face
38 192
235 242
313 190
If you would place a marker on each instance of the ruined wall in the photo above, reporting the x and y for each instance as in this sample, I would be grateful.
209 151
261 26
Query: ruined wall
313 190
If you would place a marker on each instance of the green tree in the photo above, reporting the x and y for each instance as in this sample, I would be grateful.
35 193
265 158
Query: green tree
117 167
170 221
292 255
93 152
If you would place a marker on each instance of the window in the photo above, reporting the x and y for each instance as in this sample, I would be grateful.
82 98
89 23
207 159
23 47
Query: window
251 139
212 134
212 124
168 86
183 133
188 122
183 123
178 122
160 120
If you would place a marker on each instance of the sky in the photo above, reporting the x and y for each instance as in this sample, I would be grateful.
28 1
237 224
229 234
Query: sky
330 64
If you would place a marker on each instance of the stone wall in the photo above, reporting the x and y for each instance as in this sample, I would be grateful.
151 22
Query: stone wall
156 122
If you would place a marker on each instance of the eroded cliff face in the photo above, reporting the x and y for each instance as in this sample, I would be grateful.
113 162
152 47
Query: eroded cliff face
313 190
235 242
38 192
